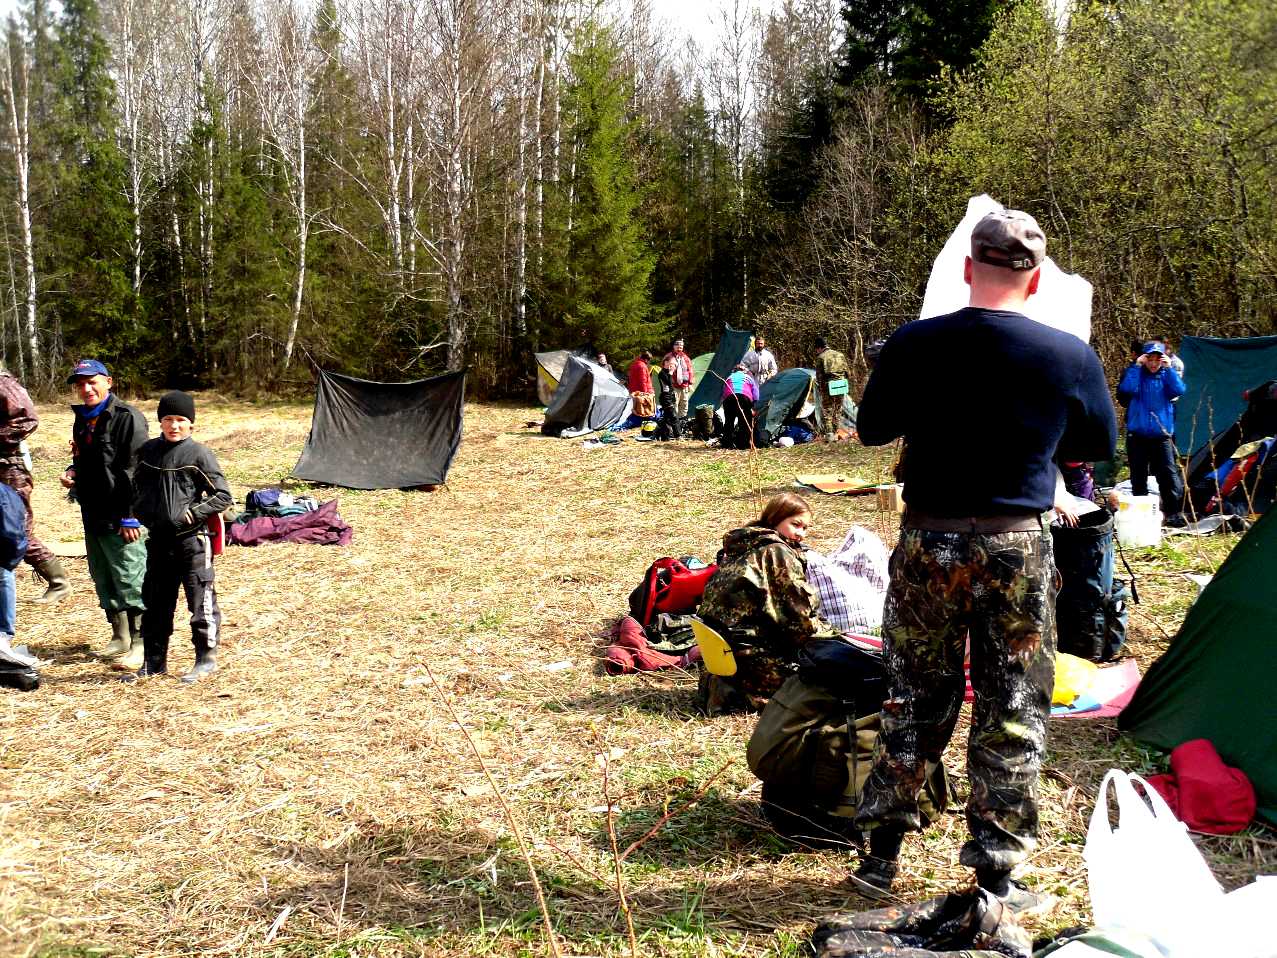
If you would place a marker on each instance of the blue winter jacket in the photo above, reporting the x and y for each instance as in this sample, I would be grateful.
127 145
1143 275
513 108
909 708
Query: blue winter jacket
1147 397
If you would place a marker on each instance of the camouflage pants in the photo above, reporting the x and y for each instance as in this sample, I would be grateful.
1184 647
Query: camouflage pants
1001 590
18 479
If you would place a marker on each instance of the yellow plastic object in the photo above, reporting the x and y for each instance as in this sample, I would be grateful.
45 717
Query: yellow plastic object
1073 676
715 652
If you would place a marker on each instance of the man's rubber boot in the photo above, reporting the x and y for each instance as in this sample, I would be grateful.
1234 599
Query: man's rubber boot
877 871
51 571
121 638
135 658
205 664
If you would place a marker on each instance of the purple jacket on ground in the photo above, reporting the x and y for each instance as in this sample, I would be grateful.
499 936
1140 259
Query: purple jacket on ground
323 527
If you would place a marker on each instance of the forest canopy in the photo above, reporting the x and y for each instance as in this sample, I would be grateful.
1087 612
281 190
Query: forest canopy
222 192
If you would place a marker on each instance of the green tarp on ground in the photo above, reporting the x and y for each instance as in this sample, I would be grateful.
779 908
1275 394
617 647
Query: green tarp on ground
1216 372
732 346
1218 678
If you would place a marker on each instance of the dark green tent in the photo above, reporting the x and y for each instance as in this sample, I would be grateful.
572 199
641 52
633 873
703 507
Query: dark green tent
1218 679
780 400
1216 373
732 347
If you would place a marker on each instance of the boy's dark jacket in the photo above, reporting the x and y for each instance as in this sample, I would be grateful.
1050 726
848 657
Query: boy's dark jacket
173 477
104 461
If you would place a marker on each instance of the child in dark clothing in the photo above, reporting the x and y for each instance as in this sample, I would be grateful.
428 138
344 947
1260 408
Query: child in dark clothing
177 488
669 427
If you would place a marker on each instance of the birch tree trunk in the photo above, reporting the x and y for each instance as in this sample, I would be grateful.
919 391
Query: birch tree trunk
15 78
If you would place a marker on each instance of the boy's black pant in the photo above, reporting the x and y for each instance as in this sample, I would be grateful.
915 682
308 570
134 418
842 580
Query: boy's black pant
1156 455
170 563
668 427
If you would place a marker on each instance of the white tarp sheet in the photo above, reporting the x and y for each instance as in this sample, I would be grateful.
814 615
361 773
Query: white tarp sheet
1063 300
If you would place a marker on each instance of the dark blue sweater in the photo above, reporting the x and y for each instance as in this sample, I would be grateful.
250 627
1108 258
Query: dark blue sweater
986 399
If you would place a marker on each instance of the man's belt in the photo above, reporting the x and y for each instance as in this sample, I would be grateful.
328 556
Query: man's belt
976 525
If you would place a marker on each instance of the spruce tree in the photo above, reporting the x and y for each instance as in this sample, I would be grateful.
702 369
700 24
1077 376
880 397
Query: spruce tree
87 241
603 286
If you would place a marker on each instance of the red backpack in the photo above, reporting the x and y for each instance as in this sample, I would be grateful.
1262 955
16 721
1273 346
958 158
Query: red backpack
668 586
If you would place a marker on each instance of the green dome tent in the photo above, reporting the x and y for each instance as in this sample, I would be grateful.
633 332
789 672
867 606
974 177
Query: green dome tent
1218 677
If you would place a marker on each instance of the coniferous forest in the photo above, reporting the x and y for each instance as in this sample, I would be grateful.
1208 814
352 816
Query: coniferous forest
222 192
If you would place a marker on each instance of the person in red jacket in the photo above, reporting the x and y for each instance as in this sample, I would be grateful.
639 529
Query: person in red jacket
640 385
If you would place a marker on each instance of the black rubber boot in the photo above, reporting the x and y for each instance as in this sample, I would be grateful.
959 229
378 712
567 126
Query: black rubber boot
877 871
155 661
51 571
205 664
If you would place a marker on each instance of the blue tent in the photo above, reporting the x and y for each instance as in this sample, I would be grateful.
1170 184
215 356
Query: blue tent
1216 373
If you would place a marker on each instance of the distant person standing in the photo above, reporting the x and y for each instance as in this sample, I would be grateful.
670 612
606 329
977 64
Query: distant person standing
831 366
683 374
17 422
601 360
740 392
105 440
760 361
640 385
669 427
1148 389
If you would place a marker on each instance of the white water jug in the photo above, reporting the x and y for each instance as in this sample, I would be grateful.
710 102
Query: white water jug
1138 522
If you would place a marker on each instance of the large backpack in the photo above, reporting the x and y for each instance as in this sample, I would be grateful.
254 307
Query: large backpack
1087 606
668 586
13 528
803 752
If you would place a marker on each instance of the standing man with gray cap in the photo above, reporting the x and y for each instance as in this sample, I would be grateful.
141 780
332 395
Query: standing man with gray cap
105 440
987 400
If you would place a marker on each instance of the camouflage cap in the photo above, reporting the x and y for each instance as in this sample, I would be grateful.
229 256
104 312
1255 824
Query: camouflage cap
1008 238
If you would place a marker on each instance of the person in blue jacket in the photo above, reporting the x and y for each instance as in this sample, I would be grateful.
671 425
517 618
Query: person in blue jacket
1148 389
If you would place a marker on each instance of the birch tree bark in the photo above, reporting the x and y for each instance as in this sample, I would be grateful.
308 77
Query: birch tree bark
15 89
286 93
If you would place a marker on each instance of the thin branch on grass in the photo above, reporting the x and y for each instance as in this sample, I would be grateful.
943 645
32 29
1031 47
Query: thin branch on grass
686 806
552 939
611 835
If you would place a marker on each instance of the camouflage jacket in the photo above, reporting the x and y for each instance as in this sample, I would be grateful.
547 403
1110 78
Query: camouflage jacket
831 364
762 602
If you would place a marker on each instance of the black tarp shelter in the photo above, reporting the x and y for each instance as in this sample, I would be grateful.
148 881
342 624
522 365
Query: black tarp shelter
732 346
588 398
367 435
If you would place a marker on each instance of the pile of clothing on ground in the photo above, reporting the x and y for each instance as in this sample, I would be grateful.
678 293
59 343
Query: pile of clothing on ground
272 515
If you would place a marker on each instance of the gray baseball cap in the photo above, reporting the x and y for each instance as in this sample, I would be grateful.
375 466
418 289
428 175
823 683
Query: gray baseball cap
1008 238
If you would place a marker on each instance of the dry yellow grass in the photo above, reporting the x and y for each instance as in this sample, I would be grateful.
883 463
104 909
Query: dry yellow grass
316 797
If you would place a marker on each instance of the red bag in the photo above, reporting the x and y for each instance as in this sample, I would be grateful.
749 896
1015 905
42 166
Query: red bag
669 586
1203 792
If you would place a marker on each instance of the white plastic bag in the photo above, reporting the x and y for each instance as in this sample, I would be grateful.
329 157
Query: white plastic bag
1147 877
